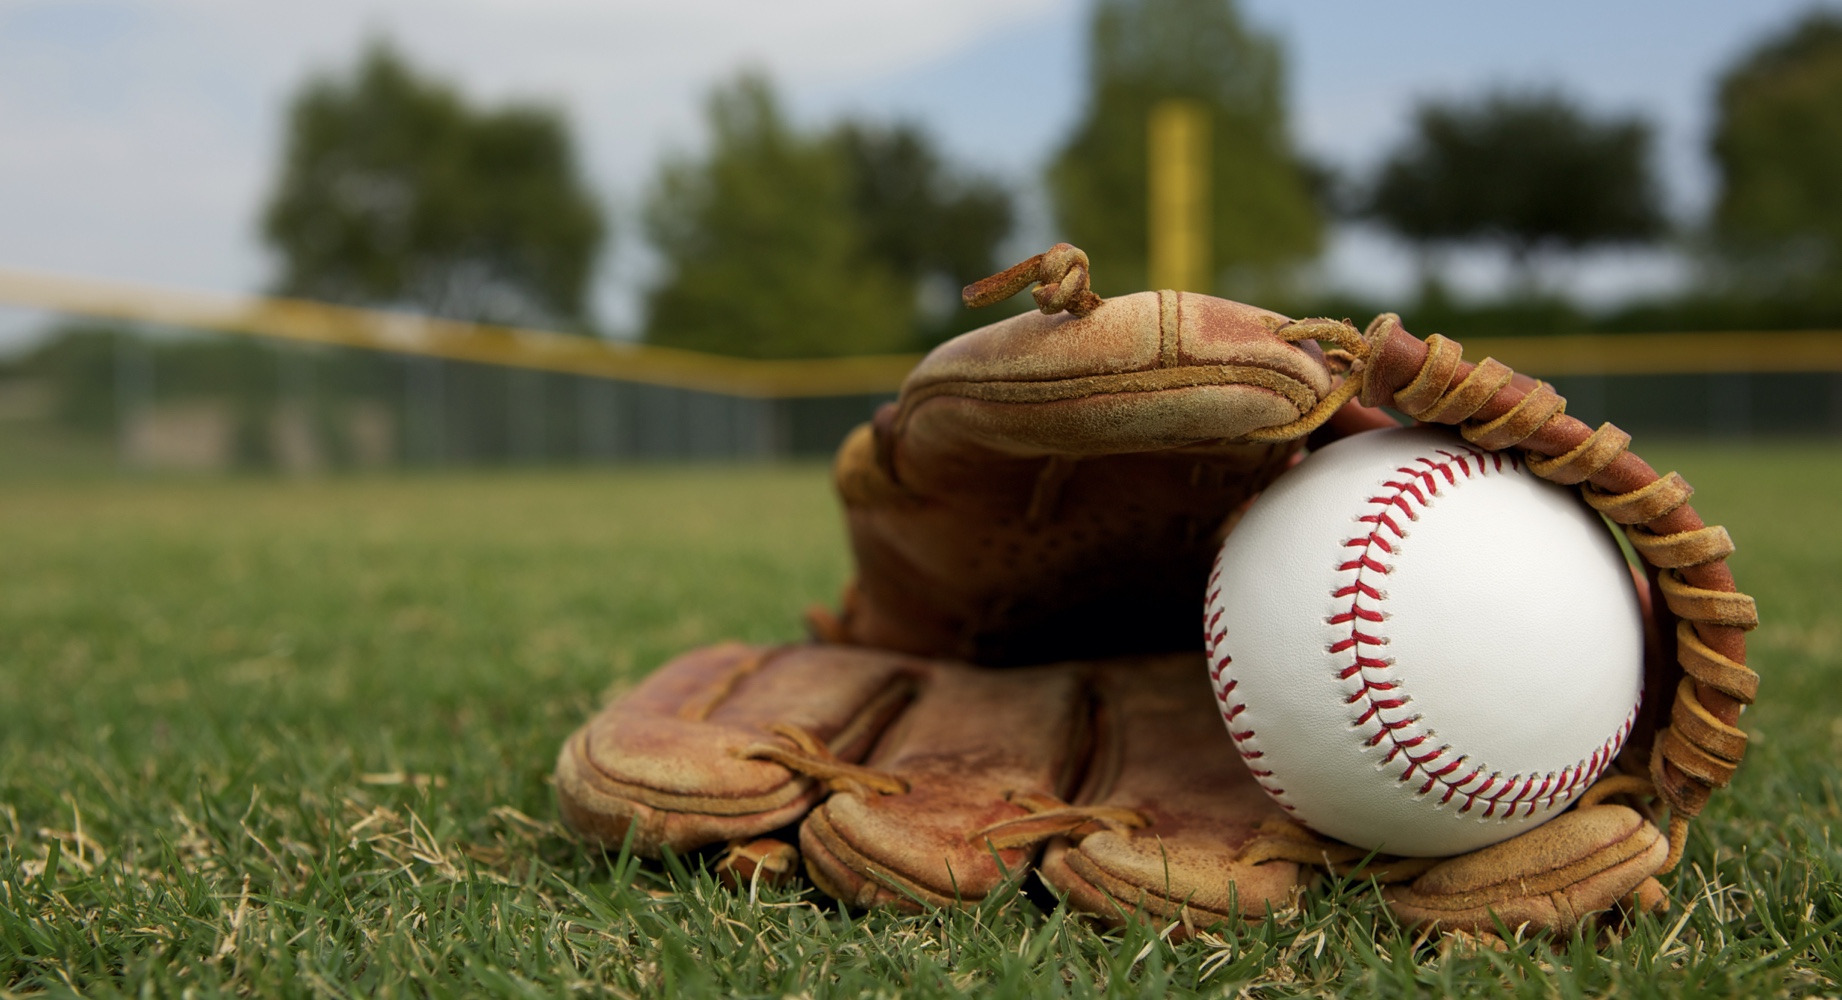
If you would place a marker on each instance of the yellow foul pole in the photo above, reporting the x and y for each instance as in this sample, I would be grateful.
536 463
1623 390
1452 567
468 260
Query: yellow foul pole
1178 142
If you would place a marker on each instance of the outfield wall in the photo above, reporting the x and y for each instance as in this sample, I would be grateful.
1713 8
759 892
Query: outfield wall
315 386
207 402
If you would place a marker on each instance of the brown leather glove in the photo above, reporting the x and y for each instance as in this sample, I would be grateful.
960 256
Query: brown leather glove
1055 486
1122 768
987 762
688 758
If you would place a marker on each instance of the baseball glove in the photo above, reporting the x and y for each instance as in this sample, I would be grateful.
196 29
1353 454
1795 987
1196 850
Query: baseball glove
1052 488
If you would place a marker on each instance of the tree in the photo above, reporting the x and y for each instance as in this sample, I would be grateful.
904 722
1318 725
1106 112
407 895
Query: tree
930 224
1777 145
1141 52
395 192
1529 172
783 244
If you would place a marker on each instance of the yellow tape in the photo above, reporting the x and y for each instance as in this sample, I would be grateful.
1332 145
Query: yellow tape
403 333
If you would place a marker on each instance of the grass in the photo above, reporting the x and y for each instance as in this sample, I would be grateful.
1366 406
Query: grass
279 738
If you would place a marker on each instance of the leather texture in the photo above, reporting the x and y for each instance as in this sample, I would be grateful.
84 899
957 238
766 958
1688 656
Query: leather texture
1053 488
1584 862
975 746
667 762
990 760
1161 752
1699 746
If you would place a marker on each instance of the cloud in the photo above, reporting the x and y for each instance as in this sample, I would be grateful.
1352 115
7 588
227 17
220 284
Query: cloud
140 138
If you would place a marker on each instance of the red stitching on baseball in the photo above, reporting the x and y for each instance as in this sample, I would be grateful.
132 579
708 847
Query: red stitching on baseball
1404 496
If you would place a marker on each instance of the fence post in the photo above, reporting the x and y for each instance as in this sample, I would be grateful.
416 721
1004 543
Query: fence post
1835 402
1730 404
293 428
596 432
754 431
526 401
134 388
423 410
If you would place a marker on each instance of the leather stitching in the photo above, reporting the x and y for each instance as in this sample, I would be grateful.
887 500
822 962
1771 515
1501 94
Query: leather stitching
1406 496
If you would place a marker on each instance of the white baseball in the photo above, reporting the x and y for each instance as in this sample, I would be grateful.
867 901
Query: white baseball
1421 648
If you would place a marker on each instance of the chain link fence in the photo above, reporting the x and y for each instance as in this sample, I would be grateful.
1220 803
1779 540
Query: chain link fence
181 381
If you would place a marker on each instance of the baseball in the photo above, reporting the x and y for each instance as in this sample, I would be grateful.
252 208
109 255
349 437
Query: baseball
1420 647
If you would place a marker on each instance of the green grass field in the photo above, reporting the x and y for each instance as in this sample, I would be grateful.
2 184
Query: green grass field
275 738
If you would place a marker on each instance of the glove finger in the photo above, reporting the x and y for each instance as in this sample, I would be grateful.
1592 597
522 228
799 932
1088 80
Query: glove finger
1163 753
977 748
1552 877
669 762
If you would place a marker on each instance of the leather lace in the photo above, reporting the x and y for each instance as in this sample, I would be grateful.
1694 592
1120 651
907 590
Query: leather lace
808 755
1281 839
1061 277
1699 748
1047 816
1701 745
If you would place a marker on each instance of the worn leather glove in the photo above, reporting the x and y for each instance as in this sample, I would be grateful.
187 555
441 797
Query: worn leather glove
1054 487
1122 768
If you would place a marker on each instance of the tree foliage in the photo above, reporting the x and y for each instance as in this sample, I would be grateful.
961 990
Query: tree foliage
395 191
918 214
934 226
1527 171
783 244
1777 144
1141 52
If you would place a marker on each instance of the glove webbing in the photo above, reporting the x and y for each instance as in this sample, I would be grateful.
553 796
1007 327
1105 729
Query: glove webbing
1495 409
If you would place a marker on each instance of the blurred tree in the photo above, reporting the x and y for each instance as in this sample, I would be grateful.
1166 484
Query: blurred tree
395 192
779 244
1529 172
935 227
1144 51
1777 144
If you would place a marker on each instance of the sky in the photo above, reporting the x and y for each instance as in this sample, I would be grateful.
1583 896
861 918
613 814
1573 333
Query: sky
138 138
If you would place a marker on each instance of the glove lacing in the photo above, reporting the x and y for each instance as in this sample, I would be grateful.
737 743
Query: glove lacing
809 756
1430 381
1701 745
1048 816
